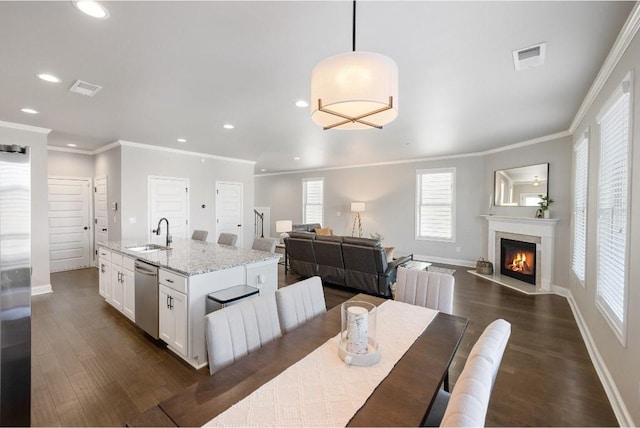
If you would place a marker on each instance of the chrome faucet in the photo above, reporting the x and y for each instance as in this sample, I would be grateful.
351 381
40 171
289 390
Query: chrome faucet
157 231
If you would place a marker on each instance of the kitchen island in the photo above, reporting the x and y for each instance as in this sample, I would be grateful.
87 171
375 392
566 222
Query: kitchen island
187 272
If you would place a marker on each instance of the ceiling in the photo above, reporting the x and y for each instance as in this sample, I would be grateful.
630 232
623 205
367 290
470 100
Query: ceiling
183 69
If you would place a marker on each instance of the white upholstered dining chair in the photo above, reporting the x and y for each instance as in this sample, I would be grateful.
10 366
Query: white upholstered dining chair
299 302
199 235
467 405
423 288
227 239
265 244
237 330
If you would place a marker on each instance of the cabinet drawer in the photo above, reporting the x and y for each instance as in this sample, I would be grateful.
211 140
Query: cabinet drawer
116 259
104 254
173 280
127 263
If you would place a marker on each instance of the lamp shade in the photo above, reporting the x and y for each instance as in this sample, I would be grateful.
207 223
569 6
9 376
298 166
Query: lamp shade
357 207
284 226
354 85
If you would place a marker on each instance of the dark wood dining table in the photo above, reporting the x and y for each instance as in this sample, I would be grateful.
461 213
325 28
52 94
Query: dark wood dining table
404 397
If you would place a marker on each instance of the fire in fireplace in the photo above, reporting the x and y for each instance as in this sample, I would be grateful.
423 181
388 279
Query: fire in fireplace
518 260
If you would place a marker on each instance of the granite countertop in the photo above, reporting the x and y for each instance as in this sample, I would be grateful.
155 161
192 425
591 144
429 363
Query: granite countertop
189 257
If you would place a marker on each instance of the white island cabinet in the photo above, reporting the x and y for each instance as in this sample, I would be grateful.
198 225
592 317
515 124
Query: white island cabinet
187 273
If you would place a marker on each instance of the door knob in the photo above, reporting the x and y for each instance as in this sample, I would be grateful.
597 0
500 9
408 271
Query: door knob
86 228
239 225
104 229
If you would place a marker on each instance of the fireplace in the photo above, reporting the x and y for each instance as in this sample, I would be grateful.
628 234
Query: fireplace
518 260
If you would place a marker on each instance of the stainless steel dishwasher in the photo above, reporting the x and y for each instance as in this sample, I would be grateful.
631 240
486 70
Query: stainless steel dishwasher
146 285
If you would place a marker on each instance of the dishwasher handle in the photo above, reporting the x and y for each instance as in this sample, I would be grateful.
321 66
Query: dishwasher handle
146 271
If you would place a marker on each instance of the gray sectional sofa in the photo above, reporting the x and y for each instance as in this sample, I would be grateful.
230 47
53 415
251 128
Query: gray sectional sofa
358 263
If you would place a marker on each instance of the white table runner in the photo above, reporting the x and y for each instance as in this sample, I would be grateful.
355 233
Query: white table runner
320 389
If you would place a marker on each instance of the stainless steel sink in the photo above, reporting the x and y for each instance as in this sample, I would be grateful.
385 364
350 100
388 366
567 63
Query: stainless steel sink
147 248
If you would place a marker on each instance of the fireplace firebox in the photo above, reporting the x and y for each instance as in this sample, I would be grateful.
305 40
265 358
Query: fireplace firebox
518 260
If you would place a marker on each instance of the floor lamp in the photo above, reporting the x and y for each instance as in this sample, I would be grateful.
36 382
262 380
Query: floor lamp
357 207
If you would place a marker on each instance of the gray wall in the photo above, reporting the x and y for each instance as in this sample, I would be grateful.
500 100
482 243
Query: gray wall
37 143
389 193
108 164
622 362
67 164
138 163
558 154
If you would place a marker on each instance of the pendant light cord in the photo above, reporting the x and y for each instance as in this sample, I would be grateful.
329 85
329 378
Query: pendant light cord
354 25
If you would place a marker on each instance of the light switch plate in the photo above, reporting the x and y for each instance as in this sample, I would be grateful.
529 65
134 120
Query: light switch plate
132 220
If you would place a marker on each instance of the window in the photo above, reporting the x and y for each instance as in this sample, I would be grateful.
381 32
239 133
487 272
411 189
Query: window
613 209
435 207
581 161
312 200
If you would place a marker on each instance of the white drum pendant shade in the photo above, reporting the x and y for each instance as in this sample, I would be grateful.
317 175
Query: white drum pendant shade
350 87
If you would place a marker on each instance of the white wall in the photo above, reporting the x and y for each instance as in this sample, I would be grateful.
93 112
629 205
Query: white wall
67 164
622 362
389 194
37 143
108 164
138 163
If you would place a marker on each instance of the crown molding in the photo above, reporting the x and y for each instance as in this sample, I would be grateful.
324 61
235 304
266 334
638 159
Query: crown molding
69 150
22 127
538 140
628 32
183 152
106 148
124 143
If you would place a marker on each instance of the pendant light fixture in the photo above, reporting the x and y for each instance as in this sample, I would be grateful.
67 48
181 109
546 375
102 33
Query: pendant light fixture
354 90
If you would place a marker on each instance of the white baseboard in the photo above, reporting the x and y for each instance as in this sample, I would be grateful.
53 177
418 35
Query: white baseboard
444 260
41 289
617 404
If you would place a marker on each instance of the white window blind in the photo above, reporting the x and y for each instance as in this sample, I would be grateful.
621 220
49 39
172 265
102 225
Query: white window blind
312 200
613 209
581 157
435 195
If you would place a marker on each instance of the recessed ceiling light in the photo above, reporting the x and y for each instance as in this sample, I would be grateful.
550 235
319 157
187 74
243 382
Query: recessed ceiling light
29 110
92 8
263 170
302 103
228 126
72 145
48 77
296 158
182 140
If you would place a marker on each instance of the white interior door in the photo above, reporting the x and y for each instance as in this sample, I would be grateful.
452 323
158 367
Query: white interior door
101 214
229 209
169 198
69 223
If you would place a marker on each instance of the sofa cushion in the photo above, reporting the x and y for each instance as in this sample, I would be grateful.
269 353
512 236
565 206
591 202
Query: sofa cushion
324 231
306 227
302 235
365 242
329 238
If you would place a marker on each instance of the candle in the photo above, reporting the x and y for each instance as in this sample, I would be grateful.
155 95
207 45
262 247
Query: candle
357 329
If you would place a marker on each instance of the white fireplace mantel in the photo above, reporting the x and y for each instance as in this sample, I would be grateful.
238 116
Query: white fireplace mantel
542 228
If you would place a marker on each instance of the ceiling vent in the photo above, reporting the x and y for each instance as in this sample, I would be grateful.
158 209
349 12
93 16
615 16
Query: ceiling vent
528 57
85 88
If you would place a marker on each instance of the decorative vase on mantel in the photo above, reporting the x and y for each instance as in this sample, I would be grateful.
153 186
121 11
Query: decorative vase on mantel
546 214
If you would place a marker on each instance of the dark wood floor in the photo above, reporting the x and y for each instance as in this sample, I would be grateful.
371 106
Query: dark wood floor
92 367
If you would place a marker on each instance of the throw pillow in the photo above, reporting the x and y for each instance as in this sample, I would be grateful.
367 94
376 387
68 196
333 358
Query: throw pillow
324 231
389 253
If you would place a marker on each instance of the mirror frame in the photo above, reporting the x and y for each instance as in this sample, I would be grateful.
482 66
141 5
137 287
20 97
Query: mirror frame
495 176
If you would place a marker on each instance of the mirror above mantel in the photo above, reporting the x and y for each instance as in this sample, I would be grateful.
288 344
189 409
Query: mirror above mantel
521 186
